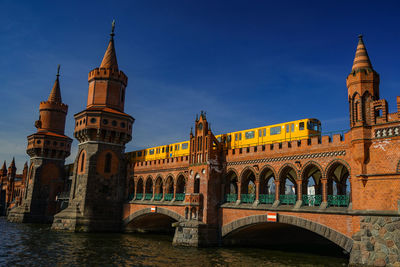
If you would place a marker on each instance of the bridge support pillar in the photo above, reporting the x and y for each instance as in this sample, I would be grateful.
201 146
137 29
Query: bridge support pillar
195 234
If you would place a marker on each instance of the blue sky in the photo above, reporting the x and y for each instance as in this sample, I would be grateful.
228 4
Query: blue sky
247 63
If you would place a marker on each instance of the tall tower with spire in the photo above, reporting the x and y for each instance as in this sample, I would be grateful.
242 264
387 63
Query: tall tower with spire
102 130
47 148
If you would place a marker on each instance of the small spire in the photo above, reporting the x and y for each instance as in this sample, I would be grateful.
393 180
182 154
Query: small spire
361 59
4 168
55 94
12 165
191 130
110 57
26 165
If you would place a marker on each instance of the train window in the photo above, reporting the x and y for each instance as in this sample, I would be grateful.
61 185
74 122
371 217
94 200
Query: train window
275 130
139 153
314 126
259 132
157 151
176 147
162 150
151 152
167 149
185 146
264 132
229 138
301 126
292 127
236 137
287 128
145 153
171 148
249 135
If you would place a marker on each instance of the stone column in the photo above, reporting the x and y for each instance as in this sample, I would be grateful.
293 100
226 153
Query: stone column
277 193
257 201
299 201
239 192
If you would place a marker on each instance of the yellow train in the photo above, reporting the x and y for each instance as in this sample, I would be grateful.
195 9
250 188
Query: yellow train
288 131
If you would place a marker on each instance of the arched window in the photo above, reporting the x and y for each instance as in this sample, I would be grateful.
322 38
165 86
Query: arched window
197 184
82 161
107 165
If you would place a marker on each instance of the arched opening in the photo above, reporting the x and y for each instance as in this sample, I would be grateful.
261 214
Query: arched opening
131 189
283 237
230 187
149 189
152 223
139 189
267 186
169 194
287 186
107 164
180 188
338 185
312 186
248 186
197 184
159 189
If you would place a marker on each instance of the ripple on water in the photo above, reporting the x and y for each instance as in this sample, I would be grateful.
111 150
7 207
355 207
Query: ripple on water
37 245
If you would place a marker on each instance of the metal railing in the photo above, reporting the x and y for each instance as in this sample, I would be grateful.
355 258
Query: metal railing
312 200
230 198
266 199
158 197
247 198
148 196
180 197
168 197
130 197
139 196
338 200
287 199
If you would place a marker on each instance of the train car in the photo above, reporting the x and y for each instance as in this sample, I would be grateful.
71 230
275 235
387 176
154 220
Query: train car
288 131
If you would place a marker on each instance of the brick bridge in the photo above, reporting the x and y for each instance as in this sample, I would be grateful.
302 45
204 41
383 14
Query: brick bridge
343 188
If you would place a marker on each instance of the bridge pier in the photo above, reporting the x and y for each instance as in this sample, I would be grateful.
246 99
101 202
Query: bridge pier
195 234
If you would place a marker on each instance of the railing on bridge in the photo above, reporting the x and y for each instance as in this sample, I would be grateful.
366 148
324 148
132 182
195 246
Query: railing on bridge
158 197
231 198
287 199
338 200
180 197
168 197
139 196
247 198
266 199
148 196
312 200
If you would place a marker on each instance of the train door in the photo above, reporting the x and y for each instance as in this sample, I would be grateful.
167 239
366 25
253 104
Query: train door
289 129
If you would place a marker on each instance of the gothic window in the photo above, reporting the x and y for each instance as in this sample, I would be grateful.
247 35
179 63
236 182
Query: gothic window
107 165
82 161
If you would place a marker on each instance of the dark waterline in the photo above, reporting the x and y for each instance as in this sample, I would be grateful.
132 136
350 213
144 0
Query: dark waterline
37 245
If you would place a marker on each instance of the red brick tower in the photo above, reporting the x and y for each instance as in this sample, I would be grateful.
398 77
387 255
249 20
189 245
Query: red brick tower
203 194
3 182
12 171
102 130
47 148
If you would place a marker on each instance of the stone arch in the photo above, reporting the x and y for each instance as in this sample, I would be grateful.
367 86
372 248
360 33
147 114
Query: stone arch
336 237
286 165
247 181
288 172
230 185
265 167
147 211
159 188
140 185
81 166
182 174
168 176
181 182
338 177
311 176
149 184
308 163
330 164
230 170
196 183
169 184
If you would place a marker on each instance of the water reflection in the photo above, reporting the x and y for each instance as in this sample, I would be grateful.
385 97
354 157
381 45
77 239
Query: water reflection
37 245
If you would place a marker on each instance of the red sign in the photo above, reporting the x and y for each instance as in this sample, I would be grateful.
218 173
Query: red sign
153 209
272 217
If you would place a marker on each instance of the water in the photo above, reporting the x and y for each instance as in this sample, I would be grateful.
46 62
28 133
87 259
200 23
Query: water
37 245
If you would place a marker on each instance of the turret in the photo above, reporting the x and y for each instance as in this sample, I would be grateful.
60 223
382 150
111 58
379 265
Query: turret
3 171
12 170
363 88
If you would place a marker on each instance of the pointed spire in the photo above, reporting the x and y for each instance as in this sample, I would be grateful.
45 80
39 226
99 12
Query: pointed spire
12 165
4 168
110 57
26 165
55 94
361 59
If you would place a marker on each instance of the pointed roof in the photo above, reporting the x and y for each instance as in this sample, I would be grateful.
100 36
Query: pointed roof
26 165
110 57
55 94
12 165
4 168
361 59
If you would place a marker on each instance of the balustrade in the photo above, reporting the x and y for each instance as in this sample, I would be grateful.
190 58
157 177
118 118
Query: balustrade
158 197
139 196
148 196
231 198
179 197
168 197
267 199
287 199
247 198
338 200
312 200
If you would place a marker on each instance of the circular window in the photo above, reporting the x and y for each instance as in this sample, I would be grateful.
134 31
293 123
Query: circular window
38 141
105 121
122 124
114 123
93 120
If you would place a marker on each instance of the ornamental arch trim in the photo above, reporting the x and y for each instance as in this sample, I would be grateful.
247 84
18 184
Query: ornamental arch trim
398 167
288 165
267 166
243 172
312 162
169 175
182 174
331 163
336 237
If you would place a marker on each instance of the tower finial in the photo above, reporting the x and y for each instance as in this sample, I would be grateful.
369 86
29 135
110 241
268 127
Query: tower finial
112 28
360 36
58 70
361 59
